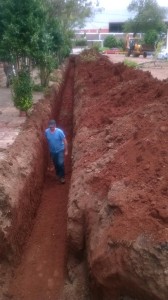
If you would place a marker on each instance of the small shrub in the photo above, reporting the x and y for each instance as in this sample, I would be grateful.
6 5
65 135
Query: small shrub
81 43
110 42
22 90
131 64
151 37
102 49
96 46
121 44
89 55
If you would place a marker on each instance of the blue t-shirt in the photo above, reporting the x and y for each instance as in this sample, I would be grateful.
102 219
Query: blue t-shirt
55 140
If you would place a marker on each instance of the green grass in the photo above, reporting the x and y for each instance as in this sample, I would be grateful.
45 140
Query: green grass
131 64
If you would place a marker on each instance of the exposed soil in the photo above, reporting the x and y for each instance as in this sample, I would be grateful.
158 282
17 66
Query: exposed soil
117 208
120 161
158 68
41 272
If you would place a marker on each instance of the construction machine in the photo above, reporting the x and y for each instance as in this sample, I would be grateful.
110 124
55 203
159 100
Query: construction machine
134 47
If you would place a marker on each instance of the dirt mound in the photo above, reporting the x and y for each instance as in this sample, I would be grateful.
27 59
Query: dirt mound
118 209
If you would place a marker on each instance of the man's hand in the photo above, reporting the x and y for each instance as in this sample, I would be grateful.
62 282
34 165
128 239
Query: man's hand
66 147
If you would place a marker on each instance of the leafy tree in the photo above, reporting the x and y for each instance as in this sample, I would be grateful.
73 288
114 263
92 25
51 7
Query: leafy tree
20 23
148 16
24 32
39 30
71 13
46 53
151 37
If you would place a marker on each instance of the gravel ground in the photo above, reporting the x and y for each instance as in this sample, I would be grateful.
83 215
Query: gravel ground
158 69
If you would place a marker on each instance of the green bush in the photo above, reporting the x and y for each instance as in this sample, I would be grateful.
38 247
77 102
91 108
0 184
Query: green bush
121 44
129 63
96 46
22 90
151 37
81 43
110 42
102 49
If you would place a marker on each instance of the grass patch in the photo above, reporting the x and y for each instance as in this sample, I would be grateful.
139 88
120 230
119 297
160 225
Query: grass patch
130 64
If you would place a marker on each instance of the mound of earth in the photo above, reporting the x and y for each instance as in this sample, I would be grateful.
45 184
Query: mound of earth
118 211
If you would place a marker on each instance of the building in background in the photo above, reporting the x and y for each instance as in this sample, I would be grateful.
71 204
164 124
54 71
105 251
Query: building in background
105 22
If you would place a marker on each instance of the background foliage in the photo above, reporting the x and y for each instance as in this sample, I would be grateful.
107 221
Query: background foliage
112 42
38 33
148 15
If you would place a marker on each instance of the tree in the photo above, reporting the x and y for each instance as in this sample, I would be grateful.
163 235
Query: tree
39 30
20 23
71 13
148 16
28 34
151 37
49 44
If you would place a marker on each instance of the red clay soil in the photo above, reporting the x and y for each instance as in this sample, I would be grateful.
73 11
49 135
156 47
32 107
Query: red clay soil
117 209
40 276
118 199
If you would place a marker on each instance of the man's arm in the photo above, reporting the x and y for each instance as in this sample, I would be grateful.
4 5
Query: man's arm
66 146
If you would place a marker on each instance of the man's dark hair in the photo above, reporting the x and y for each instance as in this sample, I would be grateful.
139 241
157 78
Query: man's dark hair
52 123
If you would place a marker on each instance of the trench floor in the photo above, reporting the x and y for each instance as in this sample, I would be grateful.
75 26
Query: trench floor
40 275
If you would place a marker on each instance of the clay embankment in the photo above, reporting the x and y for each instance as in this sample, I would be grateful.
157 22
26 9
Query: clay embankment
40 276
118 210
21 182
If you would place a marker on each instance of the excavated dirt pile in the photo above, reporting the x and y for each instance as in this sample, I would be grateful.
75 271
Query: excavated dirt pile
118 207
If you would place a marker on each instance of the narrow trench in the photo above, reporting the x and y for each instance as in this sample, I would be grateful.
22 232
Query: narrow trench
40 275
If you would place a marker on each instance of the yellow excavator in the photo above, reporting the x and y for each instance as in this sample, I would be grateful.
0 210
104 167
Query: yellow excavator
134 47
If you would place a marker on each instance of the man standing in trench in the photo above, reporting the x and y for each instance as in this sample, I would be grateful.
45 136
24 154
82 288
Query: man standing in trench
57 146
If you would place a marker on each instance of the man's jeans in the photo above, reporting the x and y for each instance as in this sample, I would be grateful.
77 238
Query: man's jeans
58 160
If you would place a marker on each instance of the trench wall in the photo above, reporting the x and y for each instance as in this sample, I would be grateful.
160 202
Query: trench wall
117 212
22 174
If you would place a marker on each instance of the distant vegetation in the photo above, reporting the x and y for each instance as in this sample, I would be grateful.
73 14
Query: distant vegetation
37 33
112 42
148 18
131 64
80 43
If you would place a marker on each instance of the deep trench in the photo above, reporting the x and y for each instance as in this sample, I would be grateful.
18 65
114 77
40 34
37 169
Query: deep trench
40 274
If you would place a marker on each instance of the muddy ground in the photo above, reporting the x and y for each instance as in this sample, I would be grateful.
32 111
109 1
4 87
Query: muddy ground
116 244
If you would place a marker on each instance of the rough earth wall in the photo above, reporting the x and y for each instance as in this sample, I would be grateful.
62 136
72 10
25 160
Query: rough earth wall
22 175
118 211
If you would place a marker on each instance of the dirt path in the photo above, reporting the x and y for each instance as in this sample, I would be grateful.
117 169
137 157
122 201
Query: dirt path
40 275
